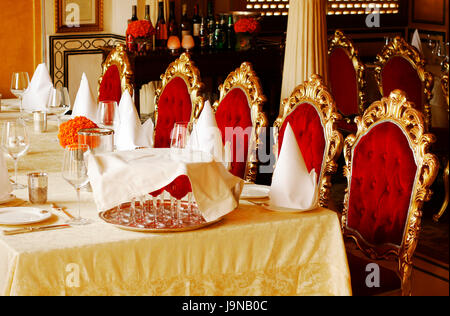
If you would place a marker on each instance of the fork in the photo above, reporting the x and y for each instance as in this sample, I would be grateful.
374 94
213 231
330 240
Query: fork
60 209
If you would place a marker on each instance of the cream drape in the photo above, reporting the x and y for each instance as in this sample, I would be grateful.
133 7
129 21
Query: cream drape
306 43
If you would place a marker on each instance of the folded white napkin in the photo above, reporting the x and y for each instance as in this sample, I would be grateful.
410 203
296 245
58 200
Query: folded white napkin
293 187
206 136
121 176
85 104
416 42
5 185
131 133
36 96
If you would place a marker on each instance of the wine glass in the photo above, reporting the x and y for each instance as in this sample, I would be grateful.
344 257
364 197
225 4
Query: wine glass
19 83
58 102
108 114
74 171
15 143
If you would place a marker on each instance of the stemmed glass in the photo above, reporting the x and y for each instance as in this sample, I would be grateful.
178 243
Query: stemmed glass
19 83
108 115
15 143
74 171
58 102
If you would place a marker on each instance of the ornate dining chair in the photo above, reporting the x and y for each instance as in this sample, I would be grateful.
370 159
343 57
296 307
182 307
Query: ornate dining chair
444 85
312 114
389 171
346 79
400 66
241 119
177 99
117 75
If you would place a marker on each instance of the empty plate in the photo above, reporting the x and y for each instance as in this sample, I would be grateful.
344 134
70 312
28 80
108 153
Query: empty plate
255 191
22 215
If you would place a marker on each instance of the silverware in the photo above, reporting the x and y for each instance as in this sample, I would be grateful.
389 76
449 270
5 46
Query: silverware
61 209
258 203
34 229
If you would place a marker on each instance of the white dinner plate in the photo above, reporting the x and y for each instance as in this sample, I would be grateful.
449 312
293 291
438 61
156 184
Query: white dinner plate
8 198
255 191
22 215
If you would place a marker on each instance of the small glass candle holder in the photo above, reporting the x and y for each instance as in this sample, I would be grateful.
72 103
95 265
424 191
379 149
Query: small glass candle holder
37 187
173 43
99 140
188 42
40 121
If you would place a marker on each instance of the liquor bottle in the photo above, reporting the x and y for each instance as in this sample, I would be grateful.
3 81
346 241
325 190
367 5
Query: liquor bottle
161 28
210 24
147 12
173 26
185 23
196 21
231 35
203 34
219 36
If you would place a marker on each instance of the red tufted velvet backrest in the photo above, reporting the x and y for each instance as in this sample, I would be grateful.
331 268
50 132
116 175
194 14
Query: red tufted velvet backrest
343 83
398 73
234 111
382 178
308 129
174 105
110 87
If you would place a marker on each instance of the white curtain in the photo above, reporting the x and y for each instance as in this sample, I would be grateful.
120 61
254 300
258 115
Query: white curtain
306 43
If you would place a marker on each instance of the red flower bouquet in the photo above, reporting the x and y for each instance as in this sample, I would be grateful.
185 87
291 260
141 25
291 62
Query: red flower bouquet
68 131
247 25
141 28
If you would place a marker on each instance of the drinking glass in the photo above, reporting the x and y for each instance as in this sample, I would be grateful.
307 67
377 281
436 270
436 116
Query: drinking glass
19 83
15 143
108 115
74 171
58 102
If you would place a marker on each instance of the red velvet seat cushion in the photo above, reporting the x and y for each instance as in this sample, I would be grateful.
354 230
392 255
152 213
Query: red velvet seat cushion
343 83
234 111
174 106
383 173
308 129
398 73
110 87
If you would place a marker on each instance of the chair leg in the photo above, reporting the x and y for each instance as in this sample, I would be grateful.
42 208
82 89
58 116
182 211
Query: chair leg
437 216
405 277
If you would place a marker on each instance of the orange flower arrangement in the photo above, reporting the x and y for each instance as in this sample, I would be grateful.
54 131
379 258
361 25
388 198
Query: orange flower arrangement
141 28
68 131
246 25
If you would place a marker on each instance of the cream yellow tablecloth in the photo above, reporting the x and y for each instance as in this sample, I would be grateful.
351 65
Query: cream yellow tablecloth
252 251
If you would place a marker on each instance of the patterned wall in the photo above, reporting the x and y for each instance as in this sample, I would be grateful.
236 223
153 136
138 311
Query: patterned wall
62 46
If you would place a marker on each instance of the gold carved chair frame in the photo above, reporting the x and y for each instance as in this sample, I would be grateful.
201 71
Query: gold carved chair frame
339 40
119 57
399 47
185 69
398 110
315 93
244 78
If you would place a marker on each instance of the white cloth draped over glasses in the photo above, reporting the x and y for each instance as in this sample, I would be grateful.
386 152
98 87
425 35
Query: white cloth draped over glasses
306 44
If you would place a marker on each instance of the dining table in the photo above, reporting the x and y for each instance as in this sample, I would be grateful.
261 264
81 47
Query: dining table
251 251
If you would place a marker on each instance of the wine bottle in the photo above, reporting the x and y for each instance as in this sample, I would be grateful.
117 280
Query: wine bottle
185 23
161 27
210 24
203 34
173 26
231 35
133 14
147 12
196 21
219 36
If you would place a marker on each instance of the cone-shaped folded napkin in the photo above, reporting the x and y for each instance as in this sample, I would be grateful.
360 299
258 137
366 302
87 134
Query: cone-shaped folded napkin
36 96
206 136
85 104
293 187
131 133
416 42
